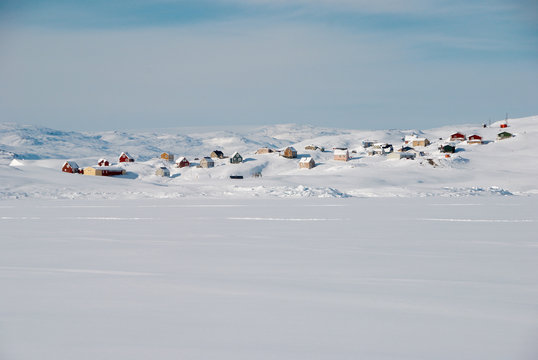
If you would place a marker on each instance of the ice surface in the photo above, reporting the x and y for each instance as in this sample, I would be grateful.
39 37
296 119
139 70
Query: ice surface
354 278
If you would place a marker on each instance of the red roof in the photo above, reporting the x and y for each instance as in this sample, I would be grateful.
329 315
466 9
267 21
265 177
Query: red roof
475 137
457 135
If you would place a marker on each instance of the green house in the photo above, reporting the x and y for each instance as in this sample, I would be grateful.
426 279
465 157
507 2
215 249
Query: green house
504 135
236 158
447 149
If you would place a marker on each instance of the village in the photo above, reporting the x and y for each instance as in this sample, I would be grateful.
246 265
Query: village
413 147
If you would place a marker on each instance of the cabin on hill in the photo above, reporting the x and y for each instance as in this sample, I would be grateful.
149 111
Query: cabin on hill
217 154
341 154
289 153
163 171
474 139
457 137
103 171
103 162
182 162
504 135
167 156
236 158
447 148
368 143
207 162
420 142
125 157
306 163
264 151
70 167
504 126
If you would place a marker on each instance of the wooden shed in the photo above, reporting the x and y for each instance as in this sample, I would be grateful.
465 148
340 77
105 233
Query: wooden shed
103 162
289 152
125 157
264 151
182 162
162 171
217 154
474 139
306 163
207 162
167 156
236 158
457 137
70 167
341 154
103 171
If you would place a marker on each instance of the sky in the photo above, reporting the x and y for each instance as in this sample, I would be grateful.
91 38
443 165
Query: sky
361 64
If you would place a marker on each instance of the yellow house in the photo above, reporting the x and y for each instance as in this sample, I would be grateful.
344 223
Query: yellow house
103 171
420 142
167 156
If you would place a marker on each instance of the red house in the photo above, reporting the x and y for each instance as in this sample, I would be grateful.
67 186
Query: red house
457 136
182 162
103 162
70 167
475 139
125 157
504 126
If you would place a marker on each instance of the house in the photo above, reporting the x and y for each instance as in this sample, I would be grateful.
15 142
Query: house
504 135
457 137
447 148
341 154
474 139
504 126
236 158
379 149
264 151
71 167
402 155
310 147
103 171
368 143
420 142
103 162
289 152
405 149
162 171
306 163
125 157
207 162
409 138
217 154
182 162
167 156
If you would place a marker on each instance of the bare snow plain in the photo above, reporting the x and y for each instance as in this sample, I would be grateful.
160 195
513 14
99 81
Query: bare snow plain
369 259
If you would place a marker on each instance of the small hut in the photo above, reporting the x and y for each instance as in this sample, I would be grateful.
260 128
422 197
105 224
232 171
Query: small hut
217 154
504 135
163 171
306 163
289 152
236 158
207 162
457 137
103 162
264 151
311 147
167 156
474 139
341 154
447 148
368 143
182 162
70 167
125 157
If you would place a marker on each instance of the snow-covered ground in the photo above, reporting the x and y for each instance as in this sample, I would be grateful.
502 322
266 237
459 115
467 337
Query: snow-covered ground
353 278
36 156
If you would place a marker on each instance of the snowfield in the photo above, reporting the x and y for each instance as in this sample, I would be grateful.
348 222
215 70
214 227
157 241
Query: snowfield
374 258
36 155
385 278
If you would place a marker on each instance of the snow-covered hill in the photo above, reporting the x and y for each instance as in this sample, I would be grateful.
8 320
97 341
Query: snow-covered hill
497 167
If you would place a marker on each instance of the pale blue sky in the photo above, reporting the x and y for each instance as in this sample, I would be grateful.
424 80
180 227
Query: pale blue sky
96 65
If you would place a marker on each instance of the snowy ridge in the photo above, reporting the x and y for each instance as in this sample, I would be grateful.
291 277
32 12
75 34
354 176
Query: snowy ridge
498 167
